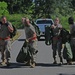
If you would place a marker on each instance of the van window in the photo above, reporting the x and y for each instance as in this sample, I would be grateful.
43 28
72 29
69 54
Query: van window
44 22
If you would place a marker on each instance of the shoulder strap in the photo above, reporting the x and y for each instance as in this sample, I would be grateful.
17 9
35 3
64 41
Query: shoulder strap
74 27
7 23
1 23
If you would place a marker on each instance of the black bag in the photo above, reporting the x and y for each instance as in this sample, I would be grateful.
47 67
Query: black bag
64 33
24 54
12 34
48 35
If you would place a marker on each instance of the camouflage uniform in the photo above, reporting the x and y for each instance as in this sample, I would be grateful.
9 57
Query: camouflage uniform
5 44
72 32
30 31
57 43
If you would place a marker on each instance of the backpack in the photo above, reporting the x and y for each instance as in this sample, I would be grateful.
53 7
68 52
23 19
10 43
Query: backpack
12 34
64 34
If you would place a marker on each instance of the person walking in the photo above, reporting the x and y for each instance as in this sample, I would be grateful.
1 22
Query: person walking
31 38
57 41
72 32
5 44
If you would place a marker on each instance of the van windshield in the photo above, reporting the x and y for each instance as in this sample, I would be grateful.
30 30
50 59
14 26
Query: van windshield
44 22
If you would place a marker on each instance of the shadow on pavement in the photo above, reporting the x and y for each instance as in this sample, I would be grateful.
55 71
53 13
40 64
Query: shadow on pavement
47 65
21 39
41 39
22 65
65 74
24 40
14 65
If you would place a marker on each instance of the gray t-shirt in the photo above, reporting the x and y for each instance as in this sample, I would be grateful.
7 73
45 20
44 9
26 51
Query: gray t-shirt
4 31
56 30
29 31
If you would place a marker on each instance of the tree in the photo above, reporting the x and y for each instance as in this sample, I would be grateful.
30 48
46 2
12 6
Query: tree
43 7
3 8
63 6
73 4
18 6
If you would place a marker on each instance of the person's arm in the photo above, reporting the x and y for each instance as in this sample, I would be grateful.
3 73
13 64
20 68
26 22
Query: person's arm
33 37
52 26
10 27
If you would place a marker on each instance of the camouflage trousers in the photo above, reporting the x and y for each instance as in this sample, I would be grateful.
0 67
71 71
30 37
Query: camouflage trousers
5 49
73 47
33 48
73 43
57 47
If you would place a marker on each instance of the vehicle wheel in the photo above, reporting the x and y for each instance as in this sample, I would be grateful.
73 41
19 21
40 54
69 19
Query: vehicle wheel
38 37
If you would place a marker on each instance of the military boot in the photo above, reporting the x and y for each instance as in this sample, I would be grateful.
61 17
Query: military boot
61 60
69 62
4 63
28 63
55 62
32 64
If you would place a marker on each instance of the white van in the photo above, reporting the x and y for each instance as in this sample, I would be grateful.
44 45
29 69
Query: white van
41 23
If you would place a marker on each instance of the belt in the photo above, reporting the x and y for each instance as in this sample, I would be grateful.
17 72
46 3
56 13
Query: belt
4 38
56 38
34 38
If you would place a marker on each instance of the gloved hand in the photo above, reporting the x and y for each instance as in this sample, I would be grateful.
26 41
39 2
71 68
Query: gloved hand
27 40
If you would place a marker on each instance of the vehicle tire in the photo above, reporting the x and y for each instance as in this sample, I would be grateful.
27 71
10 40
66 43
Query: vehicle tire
38 37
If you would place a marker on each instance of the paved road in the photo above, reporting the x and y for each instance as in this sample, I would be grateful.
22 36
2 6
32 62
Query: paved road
44 62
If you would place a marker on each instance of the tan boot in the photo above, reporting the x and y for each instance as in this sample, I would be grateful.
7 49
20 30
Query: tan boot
7 62
61 60
3 63
32 64
55 62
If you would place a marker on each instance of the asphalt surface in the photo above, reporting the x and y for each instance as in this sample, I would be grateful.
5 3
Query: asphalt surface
44 61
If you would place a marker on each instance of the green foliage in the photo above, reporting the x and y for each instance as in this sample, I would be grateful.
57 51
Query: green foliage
64 22
16 19
37 9
3 8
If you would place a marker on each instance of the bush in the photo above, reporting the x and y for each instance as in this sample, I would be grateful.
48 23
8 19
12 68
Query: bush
15 19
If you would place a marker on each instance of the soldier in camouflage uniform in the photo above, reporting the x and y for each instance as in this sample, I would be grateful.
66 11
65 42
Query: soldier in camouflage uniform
72 32
5 29
31 39
57 41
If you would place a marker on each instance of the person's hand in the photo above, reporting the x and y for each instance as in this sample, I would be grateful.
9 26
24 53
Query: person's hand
27 40
52 26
